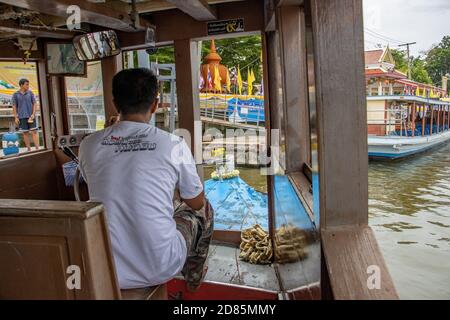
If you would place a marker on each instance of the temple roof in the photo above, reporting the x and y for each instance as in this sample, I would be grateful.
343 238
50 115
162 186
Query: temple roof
213 56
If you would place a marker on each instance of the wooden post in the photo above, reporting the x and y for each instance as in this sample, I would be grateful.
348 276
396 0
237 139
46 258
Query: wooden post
347 240
424 113
110 67
448 117
413 127
438 118
187 68
295 98
341 115
431 119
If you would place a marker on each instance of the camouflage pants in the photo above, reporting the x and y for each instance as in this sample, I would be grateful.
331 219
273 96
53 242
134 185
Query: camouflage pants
197 229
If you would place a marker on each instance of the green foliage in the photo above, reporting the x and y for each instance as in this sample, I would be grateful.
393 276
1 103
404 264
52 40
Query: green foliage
164 55
438 60
418 71
401 60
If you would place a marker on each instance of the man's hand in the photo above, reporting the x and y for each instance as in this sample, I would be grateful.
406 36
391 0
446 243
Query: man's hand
31 119
16 120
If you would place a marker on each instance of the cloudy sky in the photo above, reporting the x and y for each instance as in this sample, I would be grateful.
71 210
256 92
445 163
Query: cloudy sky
423 21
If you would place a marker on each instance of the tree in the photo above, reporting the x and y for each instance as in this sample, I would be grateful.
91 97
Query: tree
418 71
438 60
242 51
401 61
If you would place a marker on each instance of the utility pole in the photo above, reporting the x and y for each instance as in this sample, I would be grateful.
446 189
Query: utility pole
409 59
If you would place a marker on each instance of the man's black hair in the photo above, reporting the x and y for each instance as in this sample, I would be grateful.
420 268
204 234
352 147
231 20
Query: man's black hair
23 81
134 90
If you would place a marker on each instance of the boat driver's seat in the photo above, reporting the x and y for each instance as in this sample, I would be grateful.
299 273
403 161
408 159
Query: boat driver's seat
59 250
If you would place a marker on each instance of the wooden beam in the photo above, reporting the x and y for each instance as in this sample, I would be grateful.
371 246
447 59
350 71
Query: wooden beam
341 113
90 12
11 26
356 268
197 9
291 25
281 3
167 22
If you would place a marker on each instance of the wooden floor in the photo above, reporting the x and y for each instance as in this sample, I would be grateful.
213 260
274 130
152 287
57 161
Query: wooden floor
225 266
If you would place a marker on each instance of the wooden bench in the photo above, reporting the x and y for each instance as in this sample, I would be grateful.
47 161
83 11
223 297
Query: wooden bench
47 248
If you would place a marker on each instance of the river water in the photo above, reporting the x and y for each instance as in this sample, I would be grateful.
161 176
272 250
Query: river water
409 211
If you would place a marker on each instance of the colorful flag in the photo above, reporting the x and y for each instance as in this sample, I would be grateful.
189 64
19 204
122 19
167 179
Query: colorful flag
201 84
209 80
239 81
217 79
250 80
418 91
432 93
228 81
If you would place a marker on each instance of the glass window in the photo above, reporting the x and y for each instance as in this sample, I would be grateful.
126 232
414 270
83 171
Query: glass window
86 109
23 133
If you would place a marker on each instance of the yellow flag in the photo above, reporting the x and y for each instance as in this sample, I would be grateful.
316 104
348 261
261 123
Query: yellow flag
217 79
424 92
250 80
239 81
432 93
418 92
228 81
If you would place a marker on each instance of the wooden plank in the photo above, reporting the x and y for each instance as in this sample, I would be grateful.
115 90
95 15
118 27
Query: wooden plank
48 209
295 97
13 27
351 255
90 12
341 113
198 9
31 176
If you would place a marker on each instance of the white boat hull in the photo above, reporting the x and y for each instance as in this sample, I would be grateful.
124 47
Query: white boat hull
393 147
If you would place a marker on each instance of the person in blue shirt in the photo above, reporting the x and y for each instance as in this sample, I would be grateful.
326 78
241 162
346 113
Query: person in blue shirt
24 109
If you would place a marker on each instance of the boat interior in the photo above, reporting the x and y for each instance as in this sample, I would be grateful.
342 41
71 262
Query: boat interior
317 181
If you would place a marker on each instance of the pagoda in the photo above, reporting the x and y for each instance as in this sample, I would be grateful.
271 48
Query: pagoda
212 60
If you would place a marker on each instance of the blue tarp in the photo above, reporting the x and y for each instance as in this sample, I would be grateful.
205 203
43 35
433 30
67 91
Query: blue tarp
251 110
237 206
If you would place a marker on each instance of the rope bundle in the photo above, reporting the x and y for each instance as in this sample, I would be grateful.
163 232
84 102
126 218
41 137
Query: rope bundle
290 242
255 246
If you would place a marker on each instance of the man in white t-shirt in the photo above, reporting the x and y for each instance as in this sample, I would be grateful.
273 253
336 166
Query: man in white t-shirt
134 168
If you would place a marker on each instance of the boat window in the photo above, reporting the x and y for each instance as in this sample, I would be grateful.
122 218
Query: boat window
26 133
234 131
162 62
86 109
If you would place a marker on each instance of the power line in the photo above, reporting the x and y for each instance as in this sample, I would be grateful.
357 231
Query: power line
383 37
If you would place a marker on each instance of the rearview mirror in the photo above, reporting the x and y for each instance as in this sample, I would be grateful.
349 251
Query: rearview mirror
97 45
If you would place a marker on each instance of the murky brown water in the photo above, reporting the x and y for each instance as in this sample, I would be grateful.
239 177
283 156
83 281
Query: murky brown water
409 210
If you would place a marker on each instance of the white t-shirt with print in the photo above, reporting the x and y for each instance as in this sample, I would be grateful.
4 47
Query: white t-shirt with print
133 169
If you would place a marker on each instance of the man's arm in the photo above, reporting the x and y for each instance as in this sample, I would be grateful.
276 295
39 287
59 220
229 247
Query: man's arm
189 183
197 203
